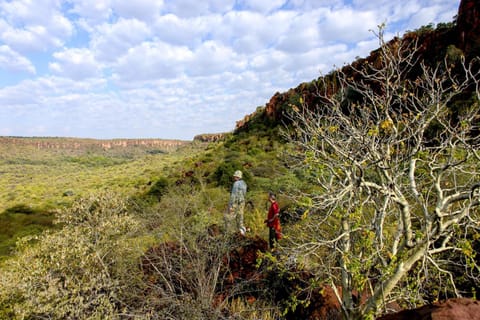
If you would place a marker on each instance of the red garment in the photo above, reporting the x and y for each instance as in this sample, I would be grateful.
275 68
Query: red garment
273 220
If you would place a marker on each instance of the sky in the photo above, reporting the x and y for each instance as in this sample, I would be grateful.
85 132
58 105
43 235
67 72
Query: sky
173 69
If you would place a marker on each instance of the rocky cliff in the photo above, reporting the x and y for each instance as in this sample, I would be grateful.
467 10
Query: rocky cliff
79 144
210 137
468 27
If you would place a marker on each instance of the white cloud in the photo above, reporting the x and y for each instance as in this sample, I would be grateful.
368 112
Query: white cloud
347 25
309 5
110 41
250 29
185 31
75 63
59 26
91 11
152 60
268 60
327 55
263 6
212 58
31 38
302 35
409 14
13 61
159 60
193 8
145 10
430 14
220 6
38 91
28 11
34 25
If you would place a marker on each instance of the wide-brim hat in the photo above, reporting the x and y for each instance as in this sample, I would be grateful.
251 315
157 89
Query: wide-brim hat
238 174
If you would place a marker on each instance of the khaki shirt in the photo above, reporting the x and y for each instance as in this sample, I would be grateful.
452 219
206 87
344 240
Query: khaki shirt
239 190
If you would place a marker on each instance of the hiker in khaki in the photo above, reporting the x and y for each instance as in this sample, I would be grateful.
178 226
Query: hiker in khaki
236 205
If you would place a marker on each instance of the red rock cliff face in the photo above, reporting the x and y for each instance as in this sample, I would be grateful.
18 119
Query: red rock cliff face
468 27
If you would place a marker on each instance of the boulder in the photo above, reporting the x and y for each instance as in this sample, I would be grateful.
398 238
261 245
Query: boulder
452 309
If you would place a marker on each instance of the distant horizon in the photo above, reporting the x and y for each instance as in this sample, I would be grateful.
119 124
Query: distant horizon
177 69
99 139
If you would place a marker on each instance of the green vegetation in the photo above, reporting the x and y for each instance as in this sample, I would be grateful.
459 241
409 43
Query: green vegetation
19 221
86 264
74 272
377 186
35 182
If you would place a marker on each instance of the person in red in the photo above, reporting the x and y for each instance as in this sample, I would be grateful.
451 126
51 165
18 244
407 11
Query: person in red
273 221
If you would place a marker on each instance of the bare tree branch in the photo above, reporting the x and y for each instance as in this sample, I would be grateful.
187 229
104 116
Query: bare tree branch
394 156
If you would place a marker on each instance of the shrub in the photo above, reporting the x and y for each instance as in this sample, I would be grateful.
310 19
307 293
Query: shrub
223 174
159 188
78 272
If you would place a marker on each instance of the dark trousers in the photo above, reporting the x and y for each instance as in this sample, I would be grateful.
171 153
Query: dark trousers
272 237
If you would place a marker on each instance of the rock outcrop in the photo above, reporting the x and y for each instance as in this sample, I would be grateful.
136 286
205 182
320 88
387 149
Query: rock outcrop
468 27
210 137
79 144
452 309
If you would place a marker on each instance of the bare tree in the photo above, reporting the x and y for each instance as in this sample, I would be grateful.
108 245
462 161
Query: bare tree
395 167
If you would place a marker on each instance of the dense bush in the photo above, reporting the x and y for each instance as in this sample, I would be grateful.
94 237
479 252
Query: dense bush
224 172
159 188
78 272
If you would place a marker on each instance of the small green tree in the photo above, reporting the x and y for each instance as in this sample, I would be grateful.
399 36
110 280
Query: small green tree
159 188
395 175
77 272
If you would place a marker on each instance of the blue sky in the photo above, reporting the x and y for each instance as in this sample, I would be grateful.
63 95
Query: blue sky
173 69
